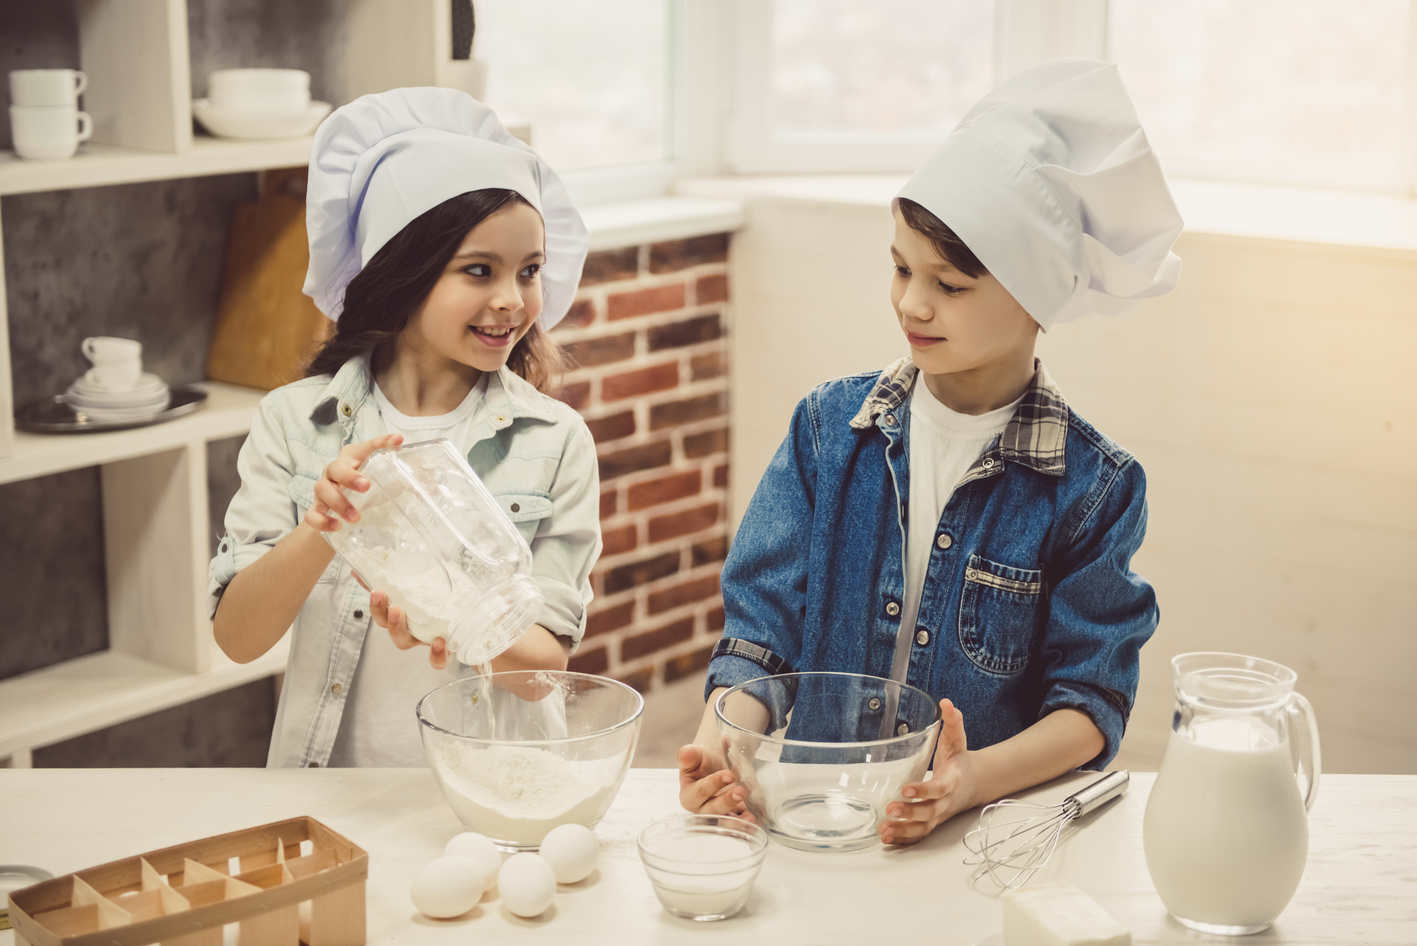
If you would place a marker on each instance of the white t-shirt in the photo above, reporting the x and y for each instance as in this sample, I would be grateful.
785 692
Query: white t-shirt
378 726
943 446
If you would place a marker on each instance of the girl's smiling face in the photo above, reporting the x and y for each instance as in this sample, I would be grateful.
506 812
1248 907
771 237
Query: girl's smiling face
955 323
488 296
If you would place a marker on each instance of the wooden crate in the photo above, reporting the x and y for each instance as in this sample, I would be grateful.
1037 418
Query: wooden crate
260 878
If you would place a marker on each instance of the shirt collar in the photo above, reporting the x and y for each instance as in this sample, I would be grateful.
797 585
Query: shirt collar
1036 436
509 396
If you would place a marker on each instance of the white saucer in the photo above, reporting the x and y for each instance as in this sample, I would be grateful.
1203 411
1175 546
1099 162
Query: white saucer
149 393
232 124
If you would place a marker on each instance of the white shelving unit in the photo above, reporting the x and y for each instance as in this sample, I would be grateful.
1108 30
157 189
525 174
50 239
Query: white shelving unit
154 479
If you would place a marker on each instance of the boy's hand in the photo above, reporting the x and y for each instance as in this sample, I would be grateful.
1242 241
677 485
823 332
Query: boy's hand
340 474
948 791
392 617
707 786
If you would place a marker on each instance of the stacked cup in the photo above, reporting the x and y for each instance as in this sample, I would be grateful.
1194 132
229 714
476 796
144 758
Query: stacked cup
116 389
45 120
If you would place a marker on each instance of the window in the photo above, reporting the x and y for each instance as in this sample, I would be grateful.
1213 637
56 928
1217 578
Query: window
1309 91
594 79
856 84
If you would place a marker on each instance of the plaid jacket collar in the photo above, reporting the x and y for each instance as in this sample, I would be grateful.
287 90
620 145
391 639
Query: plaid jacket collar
1035 436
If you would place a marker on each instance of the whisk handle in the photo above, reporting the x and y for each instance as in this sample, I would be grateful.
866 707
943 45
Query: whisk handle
1098 793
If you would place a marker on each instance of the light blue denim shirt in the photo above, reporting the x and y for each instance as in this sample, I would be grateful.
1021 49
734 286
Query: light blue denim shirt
1029 603
534 453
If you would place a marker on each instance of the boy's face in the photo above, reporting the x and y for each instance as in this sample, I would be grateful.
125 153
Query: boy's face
954 323
489 294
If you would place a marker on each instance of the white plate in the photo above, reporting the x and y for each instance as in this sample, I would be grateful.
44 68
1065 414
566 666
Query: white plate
143 397
148 384
112 416
229 124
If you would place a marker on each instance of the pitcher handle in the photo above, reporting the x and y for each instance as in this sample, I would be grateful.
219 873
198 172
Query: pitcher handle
1307 764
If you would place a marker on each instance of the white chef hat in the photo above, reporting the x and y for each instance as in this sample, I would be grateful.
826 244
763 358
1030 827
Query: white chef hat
1051 183
385 159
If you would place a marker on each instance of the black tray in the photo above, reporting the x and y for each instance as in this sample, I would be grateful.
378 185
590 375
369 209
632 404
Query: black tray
53 416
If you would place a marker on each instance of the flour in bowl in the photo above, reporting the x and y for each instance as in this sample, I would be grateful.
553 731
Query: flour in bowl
516 794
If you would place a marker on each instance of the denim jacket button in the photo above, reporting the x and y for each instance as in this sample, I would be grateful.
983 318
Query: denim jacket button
970 573
889 420
988 462
892 608
902 729
922 638
874 703
944 541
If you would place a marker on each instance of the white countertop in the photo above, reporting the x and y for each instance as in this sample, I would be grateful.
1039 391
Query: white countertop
1360 885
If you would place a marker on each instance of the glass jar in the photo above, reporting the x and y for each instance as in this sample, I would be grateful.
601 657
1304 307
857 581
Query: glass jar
433 539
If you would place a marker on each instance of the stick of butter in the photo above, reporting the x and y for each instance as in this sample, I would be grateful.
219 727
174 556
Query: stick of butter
1059 915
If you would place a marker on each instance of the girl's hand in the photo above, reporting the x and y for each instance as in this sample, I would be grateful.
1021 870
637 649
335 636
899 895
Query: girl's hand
396 622
948 791
707 786
343 473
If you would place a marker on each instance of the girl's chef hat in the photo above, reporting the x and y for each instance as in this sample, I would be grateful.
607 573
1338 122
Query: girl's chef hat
1051 182
385 159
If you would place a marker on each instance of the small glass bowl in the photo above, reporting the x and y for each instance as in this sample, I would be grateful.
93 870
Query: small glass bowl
702 867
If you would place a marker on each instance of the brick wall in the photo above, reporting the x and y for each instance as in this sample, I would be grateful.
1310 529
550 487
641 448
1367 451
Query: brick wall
647 337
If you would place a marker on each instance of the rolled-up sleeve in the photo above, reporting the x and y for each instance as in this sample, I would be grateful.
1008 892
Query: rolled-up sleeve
764 578
1101 612
262 511
567 542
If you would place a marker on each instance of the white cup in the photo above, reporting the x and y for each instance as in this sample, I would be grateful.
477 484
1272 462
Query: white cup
117 362
46 88
259 90
48 133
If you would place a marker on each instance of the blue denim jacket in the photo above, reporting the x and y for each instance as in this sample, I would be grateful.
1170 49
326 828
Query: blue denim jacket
1029 603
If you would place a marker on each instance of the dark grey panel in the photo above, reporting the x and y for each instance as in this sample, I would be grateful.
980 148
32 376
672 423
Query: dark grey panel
229 728
222 482
139 261
51 567
279 34
34 36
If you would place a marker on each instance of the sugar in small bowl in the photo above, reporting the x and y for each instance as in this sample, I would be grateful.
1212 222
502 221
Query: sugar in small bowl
702 867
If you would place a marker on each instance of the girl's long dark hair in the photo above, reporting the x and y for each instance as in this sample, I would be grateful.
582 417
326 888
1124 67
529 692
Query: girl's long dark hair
381 299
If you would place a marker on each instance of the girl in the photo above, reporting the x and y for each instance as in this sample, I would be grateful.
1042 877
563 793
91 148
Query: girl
951 522
445 249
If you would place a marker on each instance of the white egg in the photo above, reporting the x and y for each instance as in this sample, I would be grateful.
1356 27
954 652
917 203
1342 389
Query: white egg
572 850
480 850
526 884
448 887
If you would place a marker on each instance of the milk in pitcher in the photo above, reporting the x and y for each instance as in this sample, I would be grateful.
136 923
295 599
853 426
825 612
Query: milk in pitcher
1226 834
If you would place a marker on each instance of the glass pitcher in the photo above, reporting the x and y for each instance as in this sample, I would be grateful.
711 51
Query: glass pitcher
1226 831
431 536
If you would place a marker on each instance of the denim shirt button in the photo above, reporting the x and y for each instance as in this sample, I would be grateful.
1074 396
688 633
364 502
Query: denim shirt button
892 608
346 410
314 765
874 703
902 729
922 638
335 689
358 614
944 541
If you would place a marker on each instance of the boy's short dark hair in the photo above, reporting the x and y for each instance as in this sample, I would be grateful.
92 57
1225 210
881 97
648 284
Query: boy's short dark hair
950 247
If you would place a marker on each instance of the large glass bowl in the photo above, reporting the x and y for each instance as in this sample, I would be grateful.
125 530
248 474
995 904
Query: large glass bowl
822 754
520 752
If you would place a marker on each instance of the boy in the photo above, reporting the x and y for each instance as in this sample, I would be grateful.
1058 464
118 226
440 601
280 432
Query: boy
951 522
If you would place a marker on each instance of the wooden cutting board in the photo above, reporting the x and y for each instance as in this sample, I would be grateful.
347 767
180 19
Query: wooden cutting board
266 328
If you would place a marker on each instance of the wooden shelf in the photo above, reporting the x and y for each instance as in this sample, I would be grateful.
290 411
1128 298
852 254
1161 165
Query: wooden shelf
98 165
227 412
100 690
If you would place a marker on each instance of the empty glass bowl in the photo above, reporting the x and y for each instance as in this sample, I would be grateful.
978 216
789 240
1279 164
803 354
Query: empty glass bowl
702 867
520 752
822 754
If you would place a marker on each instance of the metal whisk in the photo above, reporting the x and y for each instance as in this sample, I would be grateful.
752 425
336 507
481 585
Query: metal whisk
1015 838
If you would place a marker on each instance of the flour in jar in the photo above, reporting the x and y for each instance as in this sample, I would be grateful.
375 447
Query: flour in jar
516 794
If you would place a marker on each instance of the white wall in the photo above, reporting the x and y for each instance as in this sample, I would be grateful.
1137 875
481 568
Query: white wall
1270 399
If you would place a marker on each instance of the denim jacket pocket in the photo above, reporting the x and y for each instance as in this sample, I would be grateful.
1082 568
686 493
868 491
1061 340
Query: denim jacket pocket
998 610
525 508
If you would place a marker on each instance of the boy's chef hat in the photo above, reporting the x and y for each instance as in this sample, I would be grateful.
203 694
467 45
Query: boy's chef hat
385 159
1050 181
